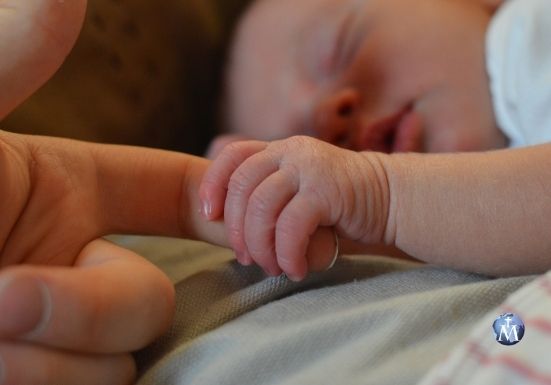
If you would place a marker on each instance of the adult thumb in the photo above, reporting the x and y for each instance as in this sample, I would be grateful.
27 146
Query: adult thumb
35 38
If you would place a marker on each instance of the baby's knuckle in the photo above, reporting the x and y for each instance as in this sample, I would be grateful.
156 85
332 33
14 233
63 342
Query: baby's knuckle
288 226
300 142
260 204
233 148
260 253
235 236
239 182
231 153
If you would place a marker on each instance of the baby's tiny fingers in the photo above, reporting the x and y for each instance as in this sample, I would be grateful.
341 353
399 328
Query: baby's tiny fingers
264 206
214 185
297 222
245 179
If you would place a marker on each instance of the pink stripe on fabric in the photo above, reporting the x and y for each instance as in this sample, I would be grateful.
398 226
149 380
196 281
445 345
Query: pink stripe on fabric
541 324
545 284
510 363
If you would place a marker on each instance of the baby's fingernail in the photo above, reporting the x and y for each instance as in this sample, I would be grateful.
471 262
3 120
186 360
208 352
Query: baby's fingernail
246 259
207 208
24 304
294 278
273 271
238 256
243 258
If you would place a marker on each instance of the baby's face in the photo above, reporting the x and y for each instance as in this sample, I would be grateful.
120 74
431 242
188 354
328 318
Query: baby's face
386 75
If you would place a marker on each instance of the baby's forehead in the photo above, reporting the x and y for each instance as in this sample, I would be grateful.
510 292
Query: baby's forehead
263 14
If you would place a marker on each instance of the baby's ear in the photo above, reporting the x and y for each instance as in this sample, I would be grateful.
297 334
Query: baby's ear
220 141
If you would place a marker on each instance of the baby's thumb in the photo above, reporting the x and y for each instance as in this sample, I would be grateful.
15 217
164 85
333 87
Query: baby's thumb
35 38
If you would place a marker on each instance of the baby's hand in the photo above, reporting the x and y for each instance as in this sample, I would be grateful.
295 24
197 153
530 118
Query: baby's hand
275 195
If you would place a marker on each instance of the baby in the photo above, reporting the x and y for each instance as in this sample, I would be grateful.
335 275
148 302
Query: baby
387 80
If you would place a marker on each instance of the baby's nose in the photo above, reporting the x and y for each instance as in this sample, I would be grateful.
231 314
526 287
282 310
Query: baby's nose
335 118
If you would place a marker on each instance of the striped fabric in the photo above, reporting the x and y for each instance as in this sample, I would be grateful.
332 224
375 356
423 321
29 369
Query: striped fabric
480 360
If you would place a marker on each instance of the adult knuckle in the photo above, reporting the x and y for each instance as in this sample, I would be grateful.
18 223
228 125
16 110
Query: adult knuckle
91 318
158 305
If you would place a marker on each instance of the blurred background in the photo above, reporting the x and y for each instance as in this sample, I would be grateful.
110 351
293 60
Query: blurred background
143 72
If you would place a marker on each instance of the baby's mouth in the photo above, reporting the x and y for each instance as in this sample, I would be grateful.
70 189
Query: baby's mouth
400 132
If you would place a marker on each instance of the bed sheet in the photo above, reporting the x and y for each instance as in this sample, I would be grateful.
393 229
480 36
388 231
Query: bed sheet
369 320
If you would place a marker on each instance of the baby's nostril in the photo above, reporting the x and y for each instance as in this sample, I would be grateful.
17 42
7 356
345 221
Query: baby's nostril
341 140
345 109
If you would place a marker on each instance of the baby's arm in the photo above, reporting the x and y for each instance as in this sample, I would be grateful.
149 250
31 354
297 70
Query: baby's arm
486 212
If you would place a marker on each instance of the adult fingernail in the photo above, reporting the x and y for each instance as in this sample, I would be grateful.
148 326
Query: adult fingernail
24 304
294 278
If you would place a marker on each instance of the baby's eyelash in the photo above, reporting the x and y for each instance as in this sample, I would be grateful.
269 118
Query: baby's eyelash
341 40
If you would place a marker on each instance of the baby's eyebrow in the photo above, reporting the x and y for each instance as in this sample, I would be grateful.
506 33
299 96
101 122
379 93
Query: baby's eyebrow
339 24
352 34
341 51
318 40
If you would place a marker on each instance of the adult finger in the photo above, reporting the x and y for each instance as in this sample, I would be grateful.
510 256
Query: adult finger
263 208
35 38
150 191
119 189
30 364
112 301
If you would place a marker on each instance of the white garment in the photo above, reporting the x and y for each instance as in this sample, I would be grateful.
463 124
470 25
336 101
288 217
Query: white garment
518 58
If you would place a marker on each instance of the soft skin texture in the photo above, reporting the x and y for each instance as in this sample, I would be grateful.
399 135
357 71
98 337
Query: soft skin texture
486 212
385 75
275 195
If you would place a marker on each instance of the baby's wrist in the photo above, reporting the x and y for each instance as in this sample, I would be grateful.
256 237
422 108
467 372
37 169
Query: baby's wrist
378 169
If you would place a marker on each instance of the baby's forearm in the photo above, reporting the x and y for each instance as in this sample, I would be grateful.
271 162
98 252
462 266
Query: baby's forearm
483 212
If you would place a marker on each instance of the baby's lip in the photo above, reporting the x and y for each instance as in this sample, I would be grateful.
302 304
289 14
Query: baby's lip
399 132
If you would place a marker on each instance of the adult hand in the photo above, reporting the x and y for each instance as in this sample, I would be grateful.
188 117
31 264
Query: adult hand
72 306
